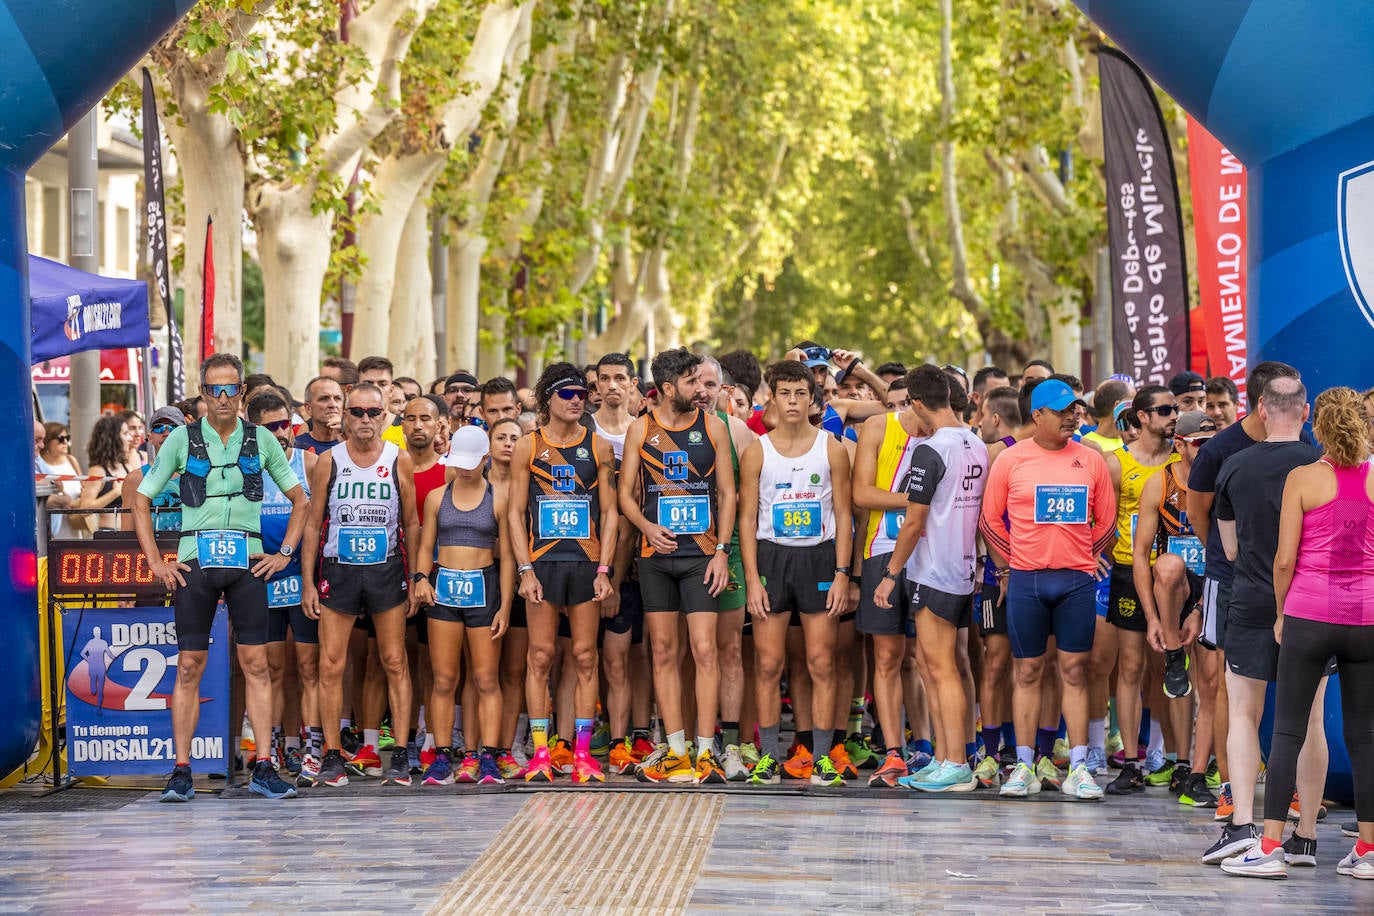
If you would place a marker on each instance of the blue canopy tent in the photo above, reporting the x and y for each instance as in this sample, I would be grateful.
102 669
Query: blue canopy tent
72 311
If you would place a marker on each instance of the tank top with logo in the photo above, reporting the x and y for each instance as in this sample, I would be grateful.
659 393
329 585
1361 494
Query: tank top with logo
796 501
679 477
564 507
362 526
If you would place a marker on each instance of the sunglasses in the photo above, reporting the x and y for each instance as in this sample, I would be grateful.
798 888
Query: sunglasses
162 428
370 412
1196 440
228 391
62 438
572 394
814 353
275 426
1164 410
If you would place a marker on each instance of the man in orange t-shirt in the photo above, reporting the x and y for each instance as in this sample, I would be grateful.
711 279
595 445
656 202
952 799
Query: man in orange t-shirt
1049 513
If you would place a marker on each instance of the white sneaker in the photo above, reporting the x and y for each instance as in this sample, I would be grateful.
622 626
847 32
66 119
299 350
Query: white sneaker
735 770
1080 784
1021 783
1252 862
1357 866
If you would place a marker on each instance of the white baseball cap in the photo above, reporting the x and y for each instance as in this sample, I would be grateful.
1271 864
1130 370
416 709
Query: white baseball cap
467 449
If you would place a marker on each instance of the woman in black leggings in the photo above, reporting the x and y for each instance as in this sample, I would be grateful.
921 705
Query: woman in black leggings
1324 583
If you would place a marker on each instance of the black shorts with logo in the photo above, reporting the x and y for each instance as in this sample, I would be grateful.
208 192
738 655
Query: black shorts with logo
566 582
992 613
797 578
360 590
1123 602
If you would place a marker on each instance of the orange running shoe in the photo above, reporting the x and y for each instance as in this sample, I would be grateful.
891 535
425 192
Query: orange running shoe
1226 805
708 771
799 765
586 769
1295 810
540 768
840 758
667 768
561 756
622 760
893 769
641 748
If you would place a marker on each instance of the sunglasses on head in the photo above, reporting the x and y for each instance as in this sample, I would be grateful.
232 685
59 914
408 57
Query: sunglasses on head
228 391
1164 410
571 394
821 353
275 426
371 412
162 428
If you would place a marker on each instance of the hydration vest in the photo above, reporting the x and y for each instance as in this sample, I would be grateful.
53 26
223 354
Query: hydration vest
198 467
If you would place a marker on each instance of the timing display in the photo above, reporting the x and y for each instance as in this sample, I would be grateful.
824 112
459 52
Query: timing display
105 566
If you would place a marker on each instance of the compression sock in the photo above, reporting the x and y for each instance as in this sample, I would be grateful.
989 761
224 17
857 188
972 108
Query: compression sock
1009 734
371 736
1025 754
1097 733
806 739
992 738
677 743
539 733
1077 754
924 747
855 726
583 730
729 733
768 740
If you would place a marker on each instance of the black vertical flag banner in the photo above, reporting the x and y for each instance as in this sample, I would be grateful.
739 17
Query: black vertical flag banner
154 192
1144 227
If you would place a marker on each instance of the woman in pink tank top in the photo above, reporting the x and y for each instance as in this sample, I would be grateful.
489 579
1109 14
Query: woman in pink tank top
1324 583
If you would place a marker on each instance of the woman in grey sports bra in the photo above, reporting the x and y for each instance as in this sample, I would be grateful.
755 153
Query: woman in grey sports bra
467 602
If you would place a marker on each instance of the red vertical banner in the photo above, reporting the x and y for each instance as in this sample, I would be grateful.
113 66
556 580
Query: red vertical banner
207 294
1219 213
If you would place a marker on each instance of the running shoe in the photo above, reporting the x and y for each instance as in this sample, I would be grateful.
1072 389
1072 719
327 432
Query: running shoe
1006 757
1127 782
365 762
1155 760
800 764
641 748
843 764
489 771
427 757
652 758
398 770
467 770
179 787
585 768
735 770
1097 761
947 777
1226 805
350 739
1115 748
1160 776
622 758
1061 752
749 753
1080 784
1254 862
1047 772
668 768
508 765
1195 793
893 769
413 757
561 756
1295 810
918 761
824 773
1182 773
1020 783
333 772
1357 866
310 771
709 771
1176 681
860 754
439 772
294 761
1235 838
1300 850
540 768
987 772
267 783
1213 774
385 741
765 772
601 741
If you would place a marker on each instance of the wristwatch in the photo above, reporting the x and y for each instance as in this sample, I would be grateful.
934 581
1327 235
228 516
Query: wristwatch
417 576
841 569
725 547
889 574
286 550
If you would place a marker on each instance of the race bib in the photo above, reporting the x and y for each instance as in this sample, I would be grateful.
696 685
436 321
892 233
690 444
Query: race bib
222 549
565 518
892 524
1061 505
1191 550
460 587
798 519
284 592
685 514
362 546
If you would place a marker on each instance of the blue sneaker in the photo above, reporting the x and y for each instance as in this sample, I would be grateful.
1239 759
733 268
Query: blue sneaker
267 783
917 761
1154 760
179 787
488 773
1097 761
944 777
440 772
909 781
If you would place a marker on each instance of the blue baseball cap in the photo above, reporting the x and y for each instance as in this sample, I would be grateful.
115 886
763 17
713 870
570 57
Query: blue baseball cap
1055 395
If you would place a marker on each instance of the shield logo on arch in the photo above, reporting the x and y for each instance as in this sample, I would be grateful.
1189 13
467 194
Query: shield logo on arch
1355 209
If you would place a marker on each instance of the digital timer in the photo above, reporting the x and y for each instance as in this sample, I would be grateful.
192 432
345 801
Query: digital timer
105 566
